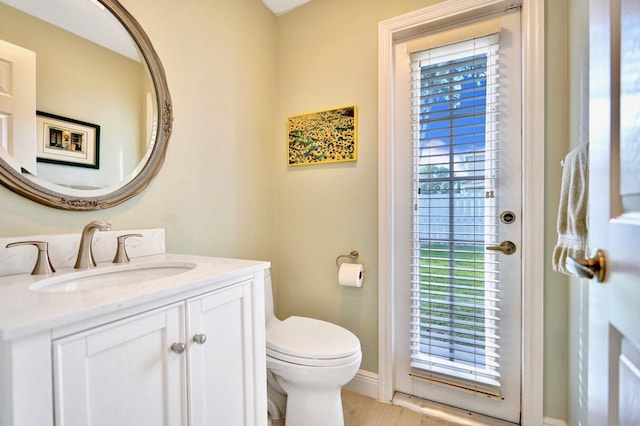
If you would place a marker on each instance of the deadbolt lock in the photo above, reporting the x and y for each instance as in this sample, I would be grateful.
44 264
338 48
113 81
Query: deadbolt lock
507 217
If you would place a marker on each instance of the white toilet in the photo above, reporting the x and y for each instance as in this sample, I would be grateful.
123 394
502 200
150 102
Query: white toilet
308 362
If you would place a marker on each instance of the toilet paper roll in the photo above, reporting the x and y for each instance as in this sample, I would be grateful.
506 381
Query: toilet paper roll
351 274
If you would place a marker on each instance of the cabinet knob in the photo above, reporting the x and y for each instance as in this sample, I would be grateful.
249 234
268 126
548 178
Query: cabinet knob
178 347
200 338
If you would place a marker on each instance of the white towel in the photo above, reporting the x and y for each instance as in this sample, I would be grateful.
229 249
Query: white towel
572 211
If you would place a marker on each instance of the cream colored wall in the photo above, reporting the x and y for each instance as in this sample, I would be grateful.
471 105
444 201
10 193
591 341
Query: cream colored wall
215 194
556 289
328 55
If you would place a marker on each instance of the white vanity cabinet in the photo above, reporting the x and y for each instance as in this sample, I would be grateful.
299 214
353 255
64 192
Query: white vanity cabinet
123 373
188 363
222 385
184 350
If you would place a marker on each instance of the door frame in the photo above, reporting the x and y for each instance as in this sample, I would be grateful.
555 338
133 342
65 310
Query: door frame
399 28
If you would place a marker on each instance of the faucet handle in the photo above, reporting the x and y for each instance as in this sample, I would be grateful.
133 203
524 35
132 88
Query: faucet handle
121 252
43 264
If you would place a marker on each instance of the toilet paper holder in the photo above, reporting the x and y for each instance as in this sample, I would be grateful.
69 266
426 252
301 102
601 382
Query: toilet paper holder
351 256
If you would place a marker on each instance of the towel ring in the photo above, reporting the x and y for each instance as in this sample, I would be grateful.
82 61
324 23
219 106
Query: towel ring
351 256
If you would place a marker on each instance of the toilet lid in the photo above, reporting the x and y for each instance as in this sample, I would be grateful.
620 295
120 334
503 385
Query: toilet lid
311 338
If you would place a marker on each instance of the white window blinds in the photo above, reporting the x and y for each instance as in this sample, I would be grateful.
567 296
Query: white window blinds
455 281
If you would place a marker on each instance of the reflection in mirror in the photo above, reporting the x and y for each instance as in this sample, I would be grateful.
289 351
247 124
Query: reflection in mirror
93 65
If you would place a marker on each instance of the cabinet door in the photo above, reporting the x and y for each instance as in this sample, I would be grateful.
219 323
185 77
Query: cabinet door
123 373
221 369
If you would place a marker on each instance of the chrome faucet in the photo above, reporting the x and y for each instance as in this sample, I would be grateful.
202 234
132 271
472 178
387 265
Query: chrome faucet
85 258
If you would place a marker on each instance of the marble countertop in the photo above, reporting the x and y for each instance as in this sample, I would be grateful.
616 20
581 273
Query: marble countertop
24 311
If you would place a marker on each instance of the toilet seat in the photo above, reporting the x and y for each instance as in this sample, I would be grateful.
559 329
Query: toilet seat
276 356
312 342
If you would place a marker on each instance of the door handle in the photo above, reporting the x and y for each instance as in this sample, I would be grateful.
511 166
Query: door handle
506 247
594 266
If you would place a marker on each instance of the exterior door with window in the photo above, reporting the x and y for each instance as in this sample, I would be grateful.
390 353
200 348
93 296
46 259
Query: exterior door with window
458 307
614 212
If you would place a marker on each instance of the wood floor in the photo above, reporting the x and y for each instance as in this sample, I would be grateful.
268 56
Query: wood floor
360 410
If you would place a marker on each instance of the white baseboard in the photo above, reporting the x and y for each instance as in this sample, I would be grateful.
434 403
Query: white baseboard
365 383
548 421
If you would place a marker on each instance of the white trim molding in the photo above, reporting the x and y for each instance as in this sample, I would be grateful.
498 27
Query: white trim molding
533 36
400 28
364 383
549 421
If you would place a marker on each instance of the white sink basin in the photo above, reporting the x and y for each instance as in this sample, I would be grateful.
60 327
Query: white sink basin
109 276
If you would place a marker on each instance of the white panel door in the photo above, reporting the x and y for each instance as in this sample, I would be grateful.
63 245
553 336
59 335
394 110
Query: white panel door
123 373
614 223
18 106
221 358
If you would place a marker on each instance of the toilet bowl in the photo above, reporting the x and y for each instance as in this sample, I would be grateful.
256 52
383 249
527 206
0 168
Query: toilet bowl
308 362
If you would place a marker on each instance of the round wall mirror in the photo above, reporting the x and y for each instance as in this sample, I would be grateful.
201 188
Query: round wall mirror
85 112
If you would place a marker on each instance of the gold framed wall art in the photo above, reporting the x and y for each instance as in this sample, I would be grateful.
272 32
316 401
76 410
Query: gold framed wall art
328 136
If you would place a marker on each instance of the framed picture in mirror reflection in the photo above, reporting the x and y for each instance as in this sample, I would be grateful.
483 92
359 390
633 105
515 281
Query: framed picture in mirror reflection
66 141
